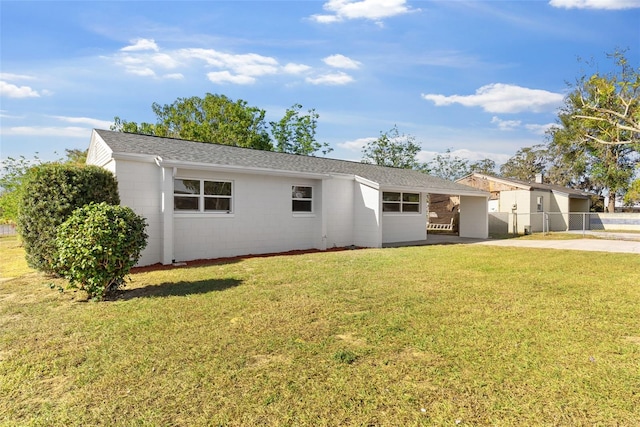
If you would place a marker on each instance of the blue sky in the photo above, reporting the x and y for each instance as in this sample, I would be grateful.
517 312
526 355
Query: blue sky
482 78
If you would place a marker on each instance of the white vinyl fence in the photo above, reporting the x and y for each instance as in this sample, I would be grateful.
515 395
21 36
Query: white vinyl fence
542 222
7 230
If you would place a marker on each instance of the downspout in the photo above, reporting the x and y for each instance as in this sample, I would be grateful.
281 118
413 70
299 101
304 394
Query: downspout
323 214
166 208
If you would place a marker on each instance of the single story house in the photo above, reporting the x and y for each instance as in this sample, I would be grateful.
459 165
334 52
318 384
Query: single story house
527 202
204 200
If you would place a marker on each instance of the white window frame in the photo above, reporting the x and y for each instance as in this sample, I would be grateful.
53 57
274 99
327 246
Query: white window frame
202 197
302 199
401 203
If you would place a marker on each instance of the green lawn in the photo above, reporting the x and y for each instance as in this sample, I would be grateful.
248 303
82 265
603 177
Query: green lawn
433 335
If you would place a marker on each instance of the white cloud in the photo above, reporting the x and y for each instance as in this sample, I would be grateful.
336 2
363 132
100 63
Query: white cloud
231 68
356 144
250 64
596 4
144 65
540 129
173 76
50 131
506 124
13 77
141 71
4 115
291 68
129 60
12 91
374 10
141 44
241 69
77 131
331 79
326 19
503 98
341 61
164 60
227 77
94 123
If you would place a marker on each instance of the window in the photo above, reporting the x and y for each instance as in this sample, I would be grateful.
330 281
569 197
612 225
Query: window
198 195
301 199
400 202
411 202
539 204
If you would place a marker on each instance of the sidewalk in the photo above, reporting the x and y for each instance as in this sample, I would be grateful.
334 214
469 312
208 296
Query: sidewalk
608 235
599 245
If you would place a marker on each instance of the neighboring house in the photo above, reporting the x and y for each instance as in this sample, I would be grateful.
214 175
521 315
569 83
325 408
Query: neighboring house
527 202
204 200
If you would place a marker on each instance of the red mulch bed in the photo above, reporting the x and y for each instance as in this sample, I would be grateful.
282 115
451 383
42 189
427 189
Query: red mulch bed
229 260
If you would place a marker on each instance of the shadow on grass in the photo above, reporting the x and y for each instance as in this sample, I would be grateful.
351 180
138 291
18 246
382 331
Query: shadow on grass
179 289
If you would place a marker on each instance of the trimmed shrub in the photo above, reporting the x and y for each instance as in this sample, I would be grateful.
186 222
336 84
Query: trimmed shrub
97 246
49 194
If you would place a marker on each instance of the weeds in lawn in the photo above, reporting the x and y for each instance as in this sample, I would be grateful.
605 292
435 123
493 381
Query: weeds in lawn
345 356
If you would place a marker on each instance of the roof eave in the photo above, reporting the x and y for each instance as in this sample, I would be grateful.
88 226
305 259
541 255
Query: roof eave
231 168
133 157
435 190
571 195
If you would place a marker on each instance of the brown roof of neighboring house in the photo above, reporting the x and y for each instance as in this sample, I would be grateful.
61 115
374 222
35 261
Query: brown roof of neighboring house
530 186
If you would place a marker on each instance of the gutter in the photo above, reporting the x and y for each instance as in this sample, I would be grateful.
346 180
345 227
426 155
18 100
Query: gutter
237 169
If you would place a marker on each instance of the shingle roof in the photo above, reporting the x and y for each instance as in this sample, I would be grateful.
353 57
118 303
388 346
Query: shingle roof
554 187
542 186
178 150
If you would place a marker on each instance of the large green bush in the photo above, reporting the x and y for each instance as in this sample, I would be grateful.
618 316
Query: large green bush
49 194
98 245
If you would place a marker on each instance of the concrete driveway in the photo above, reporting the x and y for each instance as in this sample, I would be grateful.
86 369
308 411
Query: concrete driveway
598 245
605 242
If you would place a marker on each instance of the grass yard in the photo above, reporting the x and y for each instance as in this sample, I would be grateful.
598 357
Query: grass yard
434 335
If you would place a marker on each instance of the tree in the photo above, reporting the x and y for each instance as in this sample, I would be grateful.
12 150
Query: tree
143 128
49 194
607 107
296 133
568 162
394 150
451 167
214 118
448 166
14 171
526 163
633 194
76 156
595 145
484 166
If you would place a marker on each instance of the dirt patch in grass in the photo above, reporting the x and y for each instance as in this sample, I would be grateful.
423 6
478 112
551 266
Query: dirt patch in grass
349 338
261 360
633 340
